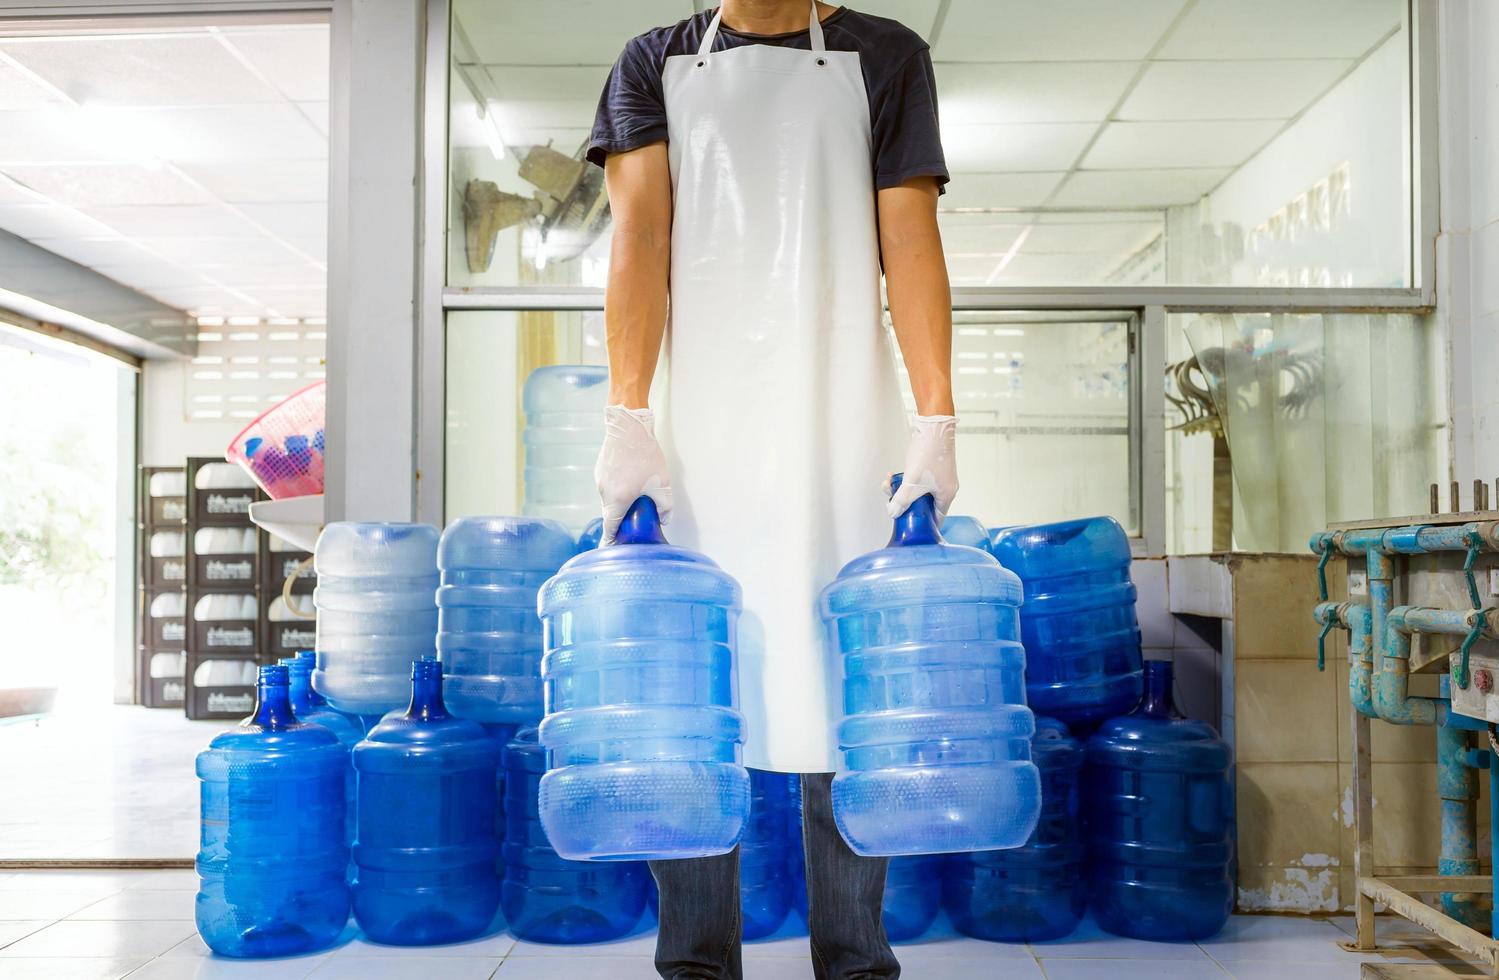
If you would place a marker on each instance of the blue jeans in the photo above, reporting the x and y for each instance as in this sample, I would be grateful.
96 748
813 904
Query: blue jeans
700 925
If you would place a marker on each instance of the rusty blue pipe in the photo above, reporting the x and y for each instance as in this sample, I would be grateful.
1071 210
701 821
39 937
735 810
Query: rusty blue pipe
1457 785
1354 618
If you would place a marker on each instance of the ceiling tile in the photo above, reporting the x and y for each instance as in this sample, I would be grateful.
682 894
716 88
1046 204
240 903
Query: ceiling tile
292 58
315 249
1054 30
47 221
529 97
317 114
1024 146
279 181
141 69
290 221
300 275
539 32
239 132
1059 269
565 140
1159 145
85 185
52 136
1042 92
175 221
1092 239
148 273
1230 89
19 90
94 251
970 190
222 251
981 234
1137 188
1282 28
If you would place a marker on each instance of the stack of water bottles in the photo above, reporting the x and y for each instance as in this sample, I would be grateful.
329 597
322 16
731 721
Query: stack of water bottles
418 794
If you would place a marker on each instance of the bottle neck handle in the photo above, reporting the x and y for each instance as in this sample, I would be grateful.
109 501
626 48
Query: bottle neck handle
426 699
273 710
641 524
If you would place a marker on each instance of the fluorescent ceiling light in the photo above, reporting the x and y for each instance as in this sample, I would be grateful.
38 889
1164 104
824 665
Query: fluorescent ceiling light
494 136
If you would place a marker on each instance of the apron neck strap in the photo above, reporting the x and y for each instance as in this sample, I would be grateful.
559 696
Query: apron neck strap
814 32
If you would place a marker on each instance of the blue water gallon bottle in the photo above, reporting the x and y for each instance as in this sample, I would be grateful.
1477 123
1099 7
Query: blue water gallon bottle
564 406
376 612
765 853
967 531
1159 800
425 853
642 732
592 534
547 898
273 855
1034 892
913 895
312 708
488 633
1082 642
935 733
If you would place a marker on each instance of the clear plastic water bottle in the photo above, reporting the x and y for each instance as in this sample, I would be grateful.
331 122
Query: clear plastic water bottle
1082 641
913 896
1035 892
935 734
273 855
377 612
765 854
488 633
564 406
642 733
1160 807
425 853
547 898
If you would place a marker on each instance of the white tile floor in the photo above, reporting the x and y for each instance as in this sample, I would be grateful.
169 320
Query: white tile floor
63 925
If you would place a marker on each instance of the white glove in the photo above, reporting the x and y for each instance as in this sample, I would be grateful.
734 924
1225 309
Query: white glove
931 465
631 465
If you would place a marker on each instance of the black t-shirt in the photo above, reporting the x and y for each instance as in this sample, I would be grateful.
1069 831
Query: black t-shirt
898 78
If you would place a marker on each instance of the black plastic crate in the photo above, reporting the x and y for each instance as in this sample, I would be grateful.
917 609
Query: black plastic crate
217 507
166 571
277 566
284 638
229 635
223 572
165 691
159 512
231 699
164 632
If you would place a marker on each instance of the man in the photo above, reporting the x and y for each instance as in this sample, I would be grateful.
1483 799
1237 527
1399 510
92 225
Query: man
762 162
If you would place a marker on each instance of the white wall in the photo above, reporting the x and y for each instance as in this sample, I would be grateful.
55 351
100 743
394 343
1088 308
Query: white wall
167 435
1468 247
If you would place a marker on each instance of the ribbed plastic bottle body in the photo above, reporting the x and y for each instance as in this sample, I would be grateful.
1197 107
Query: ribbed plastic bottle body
765 854
273 855
642 728
489 636
967 531
1082 640
547 898
377 612
425 853
309 707
1037 891
1159 799
935 726
564 405
913 895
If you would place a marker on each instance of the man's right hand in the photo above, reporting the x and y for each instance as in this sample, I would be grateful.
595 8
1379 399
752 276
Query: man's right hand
631 465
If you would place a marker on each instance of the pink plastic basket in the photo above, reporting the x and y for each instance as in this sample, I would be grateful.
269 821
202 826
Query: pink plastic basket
282 450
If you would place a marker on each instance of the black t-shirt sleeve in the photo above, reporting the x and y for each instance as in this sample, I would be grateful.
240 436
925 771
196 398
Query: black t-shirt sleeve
903 120
632 108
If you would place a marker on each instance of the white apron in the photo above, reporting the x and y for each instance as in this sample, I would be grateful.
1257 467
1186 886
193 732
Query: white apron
781 409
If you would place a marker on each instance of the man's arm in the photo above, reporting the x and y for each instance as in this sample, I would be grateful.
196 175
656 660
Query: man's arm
639 183
916 281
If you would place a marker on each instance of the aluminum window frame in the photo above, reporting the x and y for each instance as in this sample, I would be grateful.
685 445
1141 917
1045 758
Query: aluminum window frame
1149 304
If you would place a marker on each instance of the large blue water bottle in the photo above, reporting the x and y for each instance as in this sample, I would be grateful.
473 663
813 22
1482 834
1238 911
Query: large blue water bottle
488 633
1082 642
1160 815
425 853
642 731
273 855
967 531
310 707
935 733
913 895
564 406
1035 892
766 886
547 898
376 612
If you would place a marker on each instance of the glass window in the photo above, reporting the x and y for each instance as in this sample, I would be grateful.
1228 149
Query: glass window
1091 142
1326 417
